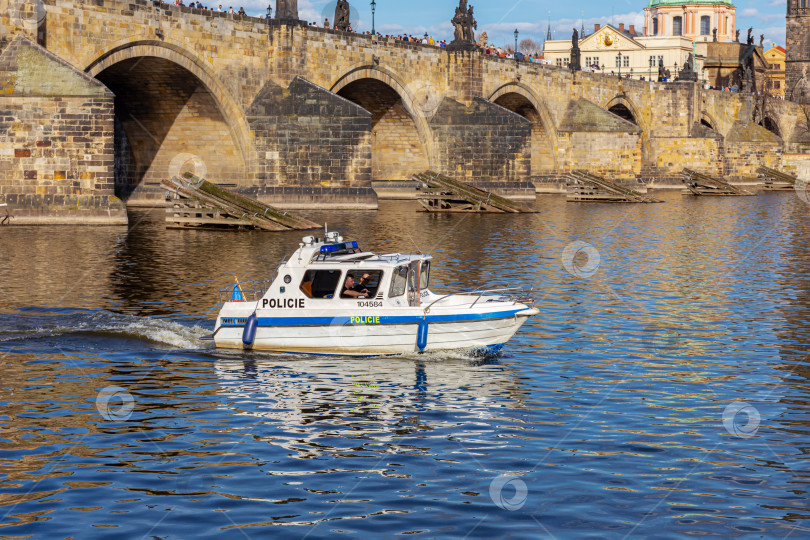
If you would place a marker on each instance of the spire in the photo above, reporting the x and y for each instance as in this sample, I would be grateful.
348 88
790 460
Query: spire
582 29
548 34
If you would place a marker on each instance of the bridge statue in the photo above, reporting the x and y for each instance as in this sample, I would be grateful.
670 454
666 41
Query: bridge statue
287 10
341 20
688 71
576 62
714 34
750 39
464 22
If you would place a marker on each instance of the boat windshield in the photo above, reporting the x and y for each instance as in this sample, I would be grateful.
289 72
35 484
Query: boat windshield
424 275
398 281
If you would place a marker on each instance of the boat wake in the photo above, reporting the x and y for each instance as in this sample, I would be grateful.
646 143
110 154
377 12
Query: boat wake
41 323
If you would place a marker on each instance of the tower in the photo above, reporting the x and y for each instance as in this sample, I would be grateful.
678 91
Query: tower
797 60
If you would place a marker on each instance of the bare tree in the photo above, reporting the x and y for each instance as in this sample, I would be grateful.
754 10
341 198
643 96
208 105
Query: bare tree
528 46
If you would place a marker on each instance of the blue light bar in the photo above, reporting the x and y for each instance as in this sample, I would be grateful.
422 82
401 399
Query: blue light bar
331 248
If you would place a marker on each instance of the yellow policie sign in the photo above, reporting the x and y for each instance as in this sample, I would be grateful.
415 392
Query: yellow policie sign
364 320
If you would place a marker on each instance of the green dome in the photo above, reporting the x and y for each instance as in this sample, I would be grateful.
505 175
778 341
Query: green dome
658 3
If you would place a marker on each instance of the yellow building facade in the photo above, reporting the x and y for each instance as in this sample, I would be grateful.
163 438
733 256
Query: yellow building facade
775 75
694 19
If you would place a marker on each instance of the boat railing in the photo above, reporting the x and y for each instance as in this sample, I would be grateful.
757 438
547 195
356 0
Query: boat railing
514 295
284 261
248 291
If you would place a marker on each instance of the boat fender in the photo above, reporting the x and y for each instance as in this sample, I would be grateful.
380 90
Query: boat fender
249 333
421 335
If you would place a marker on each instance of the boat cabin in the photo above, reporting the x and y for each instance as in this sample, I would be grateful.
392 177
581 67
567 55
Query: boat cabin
333 271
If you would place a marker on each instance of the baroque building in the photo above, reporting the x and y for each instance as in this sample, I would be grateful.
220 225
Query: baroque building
695 19
797 60
775 75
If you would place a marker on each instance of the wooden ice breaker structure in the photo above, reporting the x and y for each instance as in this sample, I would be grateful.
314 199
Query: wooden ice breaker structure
583 186
438 193
197 203
776 180
702 184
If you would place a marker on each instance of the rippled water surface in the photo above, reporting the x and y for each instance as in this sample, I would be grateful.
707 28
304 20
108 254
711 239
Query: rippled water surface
661 392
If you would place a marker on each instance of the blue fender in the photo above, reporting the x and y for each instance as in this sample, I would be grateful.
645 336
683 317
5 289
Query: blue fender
421 335
249 333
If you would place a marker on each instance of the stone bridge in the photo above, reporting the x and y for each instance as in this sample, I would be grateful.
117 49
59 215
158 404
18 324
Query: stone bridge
303 116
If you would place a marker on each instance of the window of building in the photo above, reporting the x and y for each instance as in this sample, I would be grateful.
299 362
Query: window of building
655 26
705 23
776 84
677 23
651 62
618 61
626 60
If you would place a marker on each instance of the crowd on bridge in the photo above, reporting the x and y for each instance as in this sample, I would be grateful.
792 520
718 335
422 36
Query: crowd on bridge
404 37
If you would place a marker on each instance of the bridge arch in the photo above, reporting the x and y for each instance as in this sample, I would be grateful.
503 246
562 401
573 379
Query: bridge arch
623 107
171 112
769 123
520 99
401 144
709 121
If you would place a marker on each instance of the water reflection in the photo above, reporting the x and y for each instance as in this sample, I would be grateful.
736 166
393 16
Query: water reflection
367 402
610 407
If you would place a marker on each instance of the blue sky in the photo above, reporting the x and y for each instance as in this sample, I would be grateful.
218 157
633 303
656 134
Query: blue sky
500 18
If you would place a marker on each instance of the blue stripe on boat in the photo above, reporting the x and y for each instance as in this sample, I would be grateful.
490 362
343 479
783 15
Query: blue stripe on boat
390 319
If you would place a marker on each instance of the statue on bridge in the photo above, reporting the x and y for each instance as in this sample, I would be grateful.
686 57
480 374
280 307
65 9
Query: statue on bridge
576 59
464 22
341 20
714 34
688 71
287 10
750 39
737 36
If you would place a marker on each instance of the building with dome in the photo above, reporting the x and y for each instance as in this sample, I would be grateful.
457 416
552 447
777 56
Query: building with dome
694 19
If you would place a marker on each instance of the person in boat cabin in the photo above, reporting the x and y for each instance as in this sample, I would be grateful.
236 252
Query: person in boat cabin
351 290
363 284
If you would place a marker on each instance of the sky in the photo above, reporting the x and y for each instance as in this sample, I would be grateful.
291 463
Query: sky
530 17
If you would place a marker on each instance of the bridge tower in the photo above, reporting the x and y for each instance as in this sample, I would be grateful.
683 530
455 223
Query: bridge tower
797 61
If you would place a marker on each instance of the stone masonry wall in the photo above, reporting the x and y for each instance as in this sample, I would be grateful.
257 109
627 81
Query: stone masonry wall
56 127
311 141
482 143
668 156
57 162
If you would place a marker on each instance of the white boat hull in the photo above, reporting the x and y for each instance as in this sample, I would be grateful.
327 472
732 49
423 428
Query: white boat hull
378 334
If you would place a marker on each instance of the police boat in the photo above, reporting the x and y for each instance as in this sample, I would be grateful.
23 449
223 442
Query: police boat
331 297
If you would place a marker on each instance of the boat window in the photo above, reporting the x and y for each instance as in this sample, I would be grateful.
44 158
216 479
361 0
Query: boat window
424 275
366 283
398 281
320 283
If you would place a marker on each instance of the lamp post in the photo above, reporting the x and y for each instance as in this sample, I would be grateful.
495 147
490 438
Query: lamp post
620 64
269 12
516 36
373 7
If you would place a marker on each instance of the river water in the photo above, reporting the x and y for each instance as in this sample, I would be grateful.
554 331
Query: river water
662 391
